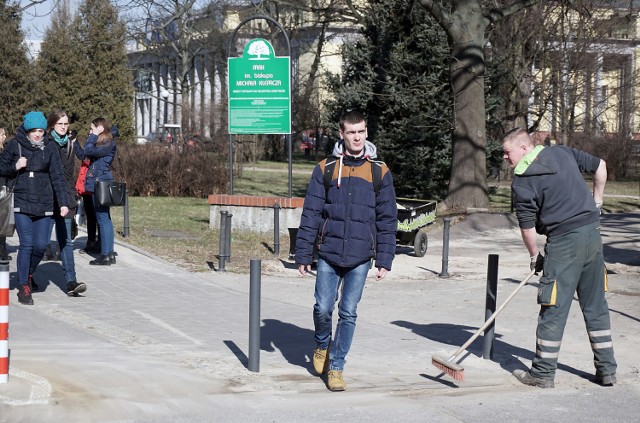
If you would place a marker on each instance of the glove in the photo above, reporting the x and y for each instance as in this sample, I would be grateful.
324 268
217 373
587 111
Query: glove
537 263
599 206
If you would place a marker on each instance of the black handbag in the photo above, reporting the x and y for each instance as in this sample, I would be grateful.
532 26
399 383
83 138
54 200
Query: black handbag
110 193
7 219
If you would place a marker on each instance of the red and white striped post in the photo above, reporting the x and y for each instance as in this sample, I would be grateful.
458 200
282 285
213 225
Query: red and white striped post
4 322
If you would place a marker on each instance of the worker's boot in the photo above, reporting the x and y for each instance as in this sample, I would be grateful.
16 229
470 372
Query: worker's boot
526 378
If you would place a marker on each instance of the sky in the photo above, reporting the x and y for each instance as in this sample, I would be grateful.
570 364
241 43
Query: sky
35 19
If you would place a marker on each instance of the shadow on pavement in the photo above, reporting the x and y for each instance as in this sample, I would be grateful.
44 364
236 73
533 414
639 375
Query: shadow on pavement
619 251
294 342
291 340
506 355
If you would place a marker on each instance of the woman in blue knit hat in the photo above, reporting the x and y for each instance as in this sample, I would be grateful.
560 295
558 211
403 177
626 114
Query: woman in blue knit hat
31 159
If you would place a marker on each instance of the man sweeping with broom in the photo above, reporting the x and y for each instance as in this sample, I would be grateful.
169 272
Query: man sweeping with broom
552 199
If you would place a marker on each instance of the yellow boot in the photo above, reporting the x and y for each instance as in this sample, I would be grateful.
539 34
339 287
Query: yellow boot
321 360
335 381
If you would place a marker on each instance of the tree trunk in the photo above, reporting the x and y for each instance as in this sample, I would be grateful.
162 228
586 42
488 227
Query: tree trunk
468 185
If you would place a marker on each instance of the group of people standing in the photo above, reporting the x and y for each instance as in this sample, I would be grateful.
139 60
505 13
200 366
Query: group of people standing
39 164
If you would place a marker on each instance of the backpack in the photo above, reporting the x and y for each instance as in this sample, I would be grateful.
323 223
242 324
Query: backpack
376 175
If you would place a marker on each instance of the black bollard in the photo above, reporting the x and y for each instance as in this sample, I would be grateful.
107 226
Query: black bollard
276 229
227 238
445 248
490 306
125 231
254 317
223 242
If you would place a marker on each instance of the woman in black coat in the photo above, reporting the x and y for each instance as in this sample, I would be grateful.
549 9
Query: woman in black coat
31 159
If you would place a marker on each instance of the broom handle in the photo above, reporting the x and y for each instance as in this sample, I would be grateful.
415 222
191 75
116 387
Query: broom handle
492 318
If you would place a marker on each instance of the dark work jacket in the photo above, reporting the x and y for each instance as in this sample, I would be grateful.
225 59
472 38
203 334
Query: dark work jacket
36 184
67 153
100 158
550 192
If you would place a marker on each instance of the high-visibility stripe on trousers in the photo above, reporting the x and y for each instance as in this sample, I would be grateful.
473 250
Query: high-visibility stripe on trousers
573 264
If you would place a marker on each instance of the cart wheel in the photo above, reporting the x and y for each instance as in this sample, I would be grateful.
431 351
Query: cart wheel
420 243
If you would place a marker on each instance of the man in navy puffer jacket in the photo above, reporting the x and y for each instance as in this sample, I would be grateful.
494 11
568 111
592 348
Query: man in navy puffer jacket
352 223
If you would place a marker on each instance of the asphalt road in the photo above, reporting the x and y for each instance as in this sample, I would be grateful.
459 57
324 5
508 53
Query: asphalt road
150 342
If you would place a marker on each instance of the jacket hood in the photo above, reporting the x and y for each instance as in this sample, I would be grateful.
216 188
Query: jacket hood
532 164
370 150
22 136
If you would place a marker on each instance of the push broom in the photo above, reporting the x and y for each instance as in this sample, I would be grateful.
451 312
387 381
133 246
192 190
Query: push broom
449 366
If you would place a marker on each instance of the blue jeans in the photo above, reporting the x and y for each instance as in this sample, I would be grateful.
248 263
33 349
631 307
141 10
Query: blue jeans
329 280
63 235
105 226
34 234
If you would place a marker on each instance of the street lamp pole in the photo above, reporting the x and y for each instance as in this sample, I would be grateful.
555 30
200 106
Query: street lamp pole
157 113
165 94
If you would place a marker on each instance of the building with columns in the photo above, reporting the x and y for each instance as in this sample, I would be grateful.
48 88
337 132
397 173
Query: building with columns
586 81
180 74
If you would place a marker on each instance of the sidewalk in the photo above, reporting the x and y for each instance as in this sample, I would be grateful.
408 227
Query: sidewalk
153 342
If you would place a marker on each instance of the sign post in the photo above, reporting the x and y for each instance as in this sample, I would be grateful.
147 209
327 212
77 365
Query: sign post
259 91
259 84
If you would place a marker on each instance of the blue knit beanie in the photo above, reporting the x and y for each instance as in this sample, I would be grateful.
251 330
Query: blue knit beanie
34 120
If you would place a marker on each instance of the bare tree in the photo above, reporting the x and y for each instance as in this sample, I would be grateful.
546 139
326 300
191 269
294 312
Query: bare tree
173 36
466 22
315 28
571 76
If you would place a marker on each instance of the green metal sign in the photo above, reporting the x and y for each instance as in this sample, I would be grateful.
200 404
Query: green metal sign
259 91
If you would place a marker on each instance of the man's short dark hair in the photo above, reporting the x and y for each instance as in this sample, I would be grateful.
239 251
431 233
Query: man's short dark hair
351 117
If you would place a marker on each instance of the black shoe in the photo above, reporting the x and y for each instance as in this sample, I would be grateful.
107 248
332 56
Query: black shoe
24 295
606 380
33 286
74 288
102 261
526 378
48 254
91 248
112 257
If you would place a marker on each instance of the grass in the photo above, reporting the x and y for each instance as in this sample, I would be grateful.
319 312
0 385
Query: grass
257 182
177 229
619 197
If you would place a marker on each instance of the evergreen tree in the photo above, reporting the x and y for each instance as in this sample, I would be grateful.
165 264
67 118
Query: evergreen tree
397 73
104 83
15 71
60 68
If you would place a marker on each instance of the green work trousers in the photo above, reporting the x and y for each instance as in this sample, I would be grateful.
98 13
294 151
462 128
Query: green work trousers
574 263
